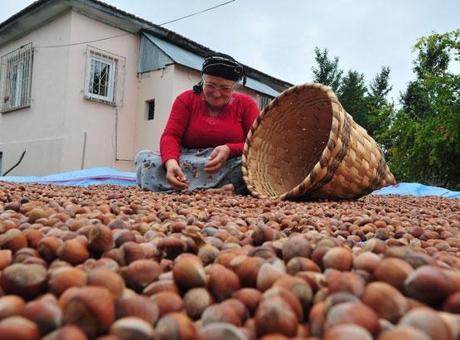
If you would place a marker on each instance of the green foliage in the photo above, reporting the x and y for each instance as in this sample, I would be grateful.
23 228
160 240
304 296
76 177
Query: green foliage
328 72
427 129
421 140
378 109
351 95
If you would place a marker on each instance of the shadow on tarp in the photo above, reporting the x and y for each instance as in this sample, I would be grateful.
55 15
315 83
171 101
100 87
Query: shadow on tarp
95 176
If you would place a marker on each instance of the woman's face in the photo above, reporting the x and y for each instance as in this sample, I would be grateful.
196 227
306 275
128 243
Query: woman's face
217 91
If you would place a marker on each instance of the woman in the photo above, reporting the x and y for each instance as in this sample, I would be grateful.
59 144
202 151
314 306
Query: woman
203 140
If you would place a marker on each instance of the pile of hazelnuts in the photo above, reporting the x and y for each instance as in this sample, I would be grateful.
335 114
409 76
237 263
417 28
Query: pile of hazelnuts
114 262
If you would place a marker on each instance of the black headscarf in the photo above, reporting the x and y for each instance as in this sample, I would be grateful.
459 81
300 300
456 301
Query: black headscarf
223 66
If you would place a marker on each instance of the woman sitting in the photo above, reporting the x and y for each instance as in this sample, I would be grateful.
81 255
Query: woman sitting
203 140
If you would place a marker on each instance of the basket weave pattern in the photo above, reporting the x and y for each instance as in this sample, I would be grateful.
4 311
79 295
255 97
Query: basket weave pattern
305 145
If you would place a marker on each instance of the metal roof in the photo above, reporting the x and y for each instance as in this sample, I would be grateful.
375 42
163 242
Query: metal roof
194 61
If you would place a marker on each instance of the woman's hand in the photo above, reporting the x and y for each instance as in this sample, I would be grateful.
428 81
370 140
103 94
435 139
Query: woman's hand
217 159
175 176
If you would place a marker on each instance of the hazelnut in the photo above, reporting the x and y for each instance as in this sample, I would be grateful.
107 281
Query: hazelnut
18 327
33 237
25 280
428 321
298 287
132 251
300 264
45 313
404 332
345 282
66 332
317 318
196 300
296 246
385 300
338 258
100 239
208 254
11 305
73 251
288 297
175 326
247 270
452 303
250 297
188 272
171 247
90 308
6 257
13 239
221 313
221 330
108 279
138 306
132 328
274 315
267 275
237 306
48 247
393 271
161 286
347 331
168 302
351 312
140 273
429 284
222 282
66 277
367 261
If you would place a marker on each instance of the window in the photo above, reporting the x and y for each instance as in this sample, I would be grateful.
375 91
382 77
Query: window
15 78
150 109
100 77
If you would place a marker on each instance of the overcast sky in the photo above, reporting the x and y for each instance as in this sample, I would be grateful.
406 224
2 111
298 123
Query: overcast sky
278 37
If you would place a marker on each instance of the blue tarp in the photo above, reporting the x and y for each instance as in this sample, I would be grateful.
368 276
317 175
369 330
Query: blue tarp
82 178
94 176
416 189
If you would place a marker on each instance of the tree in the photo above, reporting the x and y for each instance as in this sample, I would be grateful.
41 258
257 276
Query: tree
351 95
328 72
379 109
426 131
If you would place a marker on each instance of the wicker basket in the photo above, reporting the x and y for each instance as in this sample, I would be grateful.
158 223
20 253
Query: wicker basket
305 145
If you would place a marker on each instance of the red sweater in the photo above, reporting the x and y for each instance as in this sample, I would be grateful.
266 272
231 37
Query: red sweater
190 125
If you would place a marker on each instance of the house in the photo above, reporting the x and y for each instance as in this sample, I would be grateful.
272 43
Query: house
84 84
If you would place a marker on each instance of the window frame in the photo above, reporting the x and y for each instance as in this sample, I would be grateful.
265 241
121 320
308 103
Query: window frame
9 64
105 58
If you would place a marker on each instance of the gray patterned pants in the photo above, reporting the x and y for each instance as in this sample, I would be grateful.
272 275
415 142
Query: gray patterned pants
152 176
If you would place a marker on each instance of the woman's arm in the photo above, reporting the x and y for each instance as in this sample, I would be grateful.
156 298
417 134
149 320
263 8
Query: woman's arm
171 139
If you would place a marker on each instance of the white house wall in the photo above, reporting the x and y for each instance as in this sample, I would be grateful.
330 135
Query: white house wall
52 130
39 129
109 129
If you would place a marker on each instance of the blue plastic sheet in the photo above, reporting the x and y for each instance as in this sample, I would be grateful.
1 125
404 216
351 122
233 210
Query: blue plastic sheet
416 189
95 176
82 178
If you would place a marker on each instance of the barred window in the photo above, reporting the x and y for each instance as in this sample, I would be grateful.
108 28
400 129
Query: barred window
16 78
100 77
